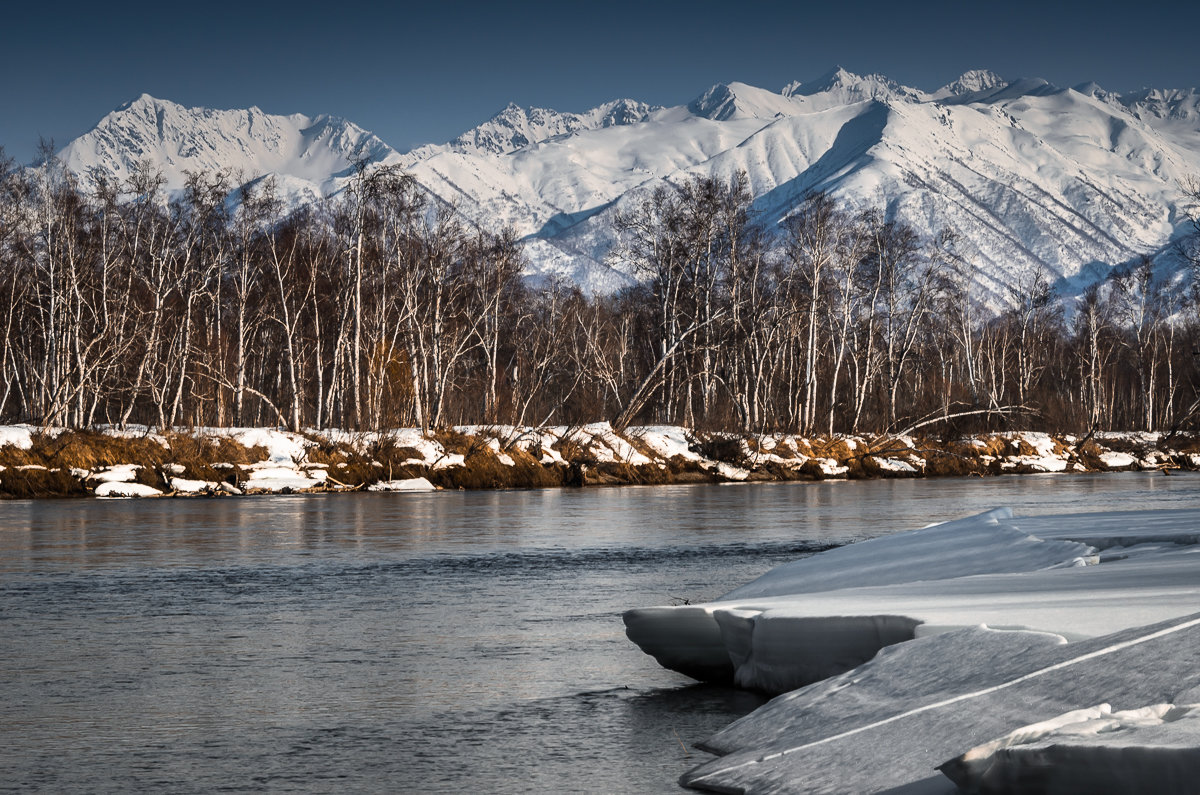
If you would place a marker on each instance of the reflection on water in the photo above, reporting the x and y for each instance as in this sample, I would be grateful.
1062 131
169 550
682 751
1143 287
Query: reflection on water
460 641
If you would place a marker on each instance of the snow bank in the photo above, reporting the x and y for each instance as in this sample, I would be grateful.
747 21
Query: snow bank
667 441
602 442
282 447
895 465
185 486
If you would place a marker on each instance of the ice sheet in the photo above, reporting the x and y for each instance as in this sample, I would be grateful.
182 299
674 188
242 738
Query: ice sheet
783 640
1155 748
693 640
886 725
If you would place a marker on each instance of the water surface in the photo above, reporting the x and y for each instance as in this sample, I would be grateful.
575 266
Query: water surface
455 641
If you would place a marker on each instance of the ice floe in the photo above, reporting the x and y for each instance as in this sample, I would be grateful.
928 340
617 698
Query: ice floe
895 669
735 637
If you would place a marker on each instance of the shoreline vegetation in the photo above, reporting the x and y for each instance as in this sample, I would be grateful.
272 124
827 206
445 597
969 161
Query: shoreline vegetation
39 462
219 307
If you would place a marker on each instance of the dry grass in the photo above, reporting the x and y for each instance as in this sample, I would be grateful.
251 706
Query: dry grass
85 450
573 451
323 451
725 447
23 484
456 443
197 454
1183 443
995 446
832 447
952 463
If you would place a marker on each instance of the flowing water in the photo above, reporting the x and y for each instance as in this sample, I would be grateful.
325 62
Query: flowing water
445 642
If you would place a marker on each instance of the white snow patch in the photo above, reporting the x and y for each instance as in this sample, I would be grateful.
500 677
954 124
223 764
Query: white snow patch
667 441
122 473
730 472
450 461
185 486
408 484
1115 460
282 447
18 436
119 489
280 478
895 465
831 468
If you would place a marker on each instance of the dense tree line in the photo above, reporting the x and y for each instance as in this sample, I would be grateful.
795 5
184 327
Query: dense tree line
380 308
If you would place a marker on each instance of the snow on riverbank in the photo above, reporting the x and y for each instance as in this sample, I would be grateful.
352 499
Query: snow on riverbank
904 652
198 461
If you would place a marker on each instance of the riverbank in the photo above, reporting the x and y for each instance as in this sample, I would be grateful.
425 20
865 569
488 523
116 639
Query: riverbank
142 462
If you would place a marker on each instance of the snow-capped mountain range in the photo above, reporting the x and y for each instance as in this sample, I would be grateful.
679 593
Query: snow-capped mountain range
1030 175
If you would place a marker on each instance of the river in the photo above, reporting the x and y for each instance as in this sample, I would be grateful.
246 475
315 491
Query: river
442 642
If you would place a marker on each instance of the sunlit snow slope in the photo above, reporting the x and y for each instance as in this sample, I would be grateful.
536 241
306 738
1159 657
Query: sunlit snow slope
1077 181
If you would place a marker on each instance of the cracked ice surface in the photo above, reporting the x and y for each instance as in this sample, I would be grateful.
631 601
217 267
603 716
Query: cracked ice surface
1150 749
989 655
888 724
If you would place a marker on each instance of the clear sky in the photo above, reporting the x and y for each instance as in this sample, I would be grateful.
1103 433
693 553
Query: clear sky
424 73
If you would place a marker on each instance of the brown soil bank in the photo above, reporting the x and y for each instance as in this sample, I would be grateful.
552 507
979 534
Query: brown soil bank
37 462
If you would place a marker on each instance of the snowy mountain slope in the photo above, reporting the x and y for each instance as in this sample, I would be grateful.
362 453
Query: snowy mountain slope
1075 181
515 127
311 155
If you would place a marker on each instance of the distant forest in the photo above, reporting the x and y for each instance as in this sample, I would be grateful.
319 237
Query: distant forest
378 310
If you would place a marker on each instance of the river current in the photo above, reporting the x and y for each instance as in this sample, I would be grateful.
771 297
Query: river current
442 642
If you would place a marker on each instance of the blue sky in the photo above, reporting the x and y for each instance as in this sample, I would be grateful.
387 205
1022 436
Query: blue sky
426 73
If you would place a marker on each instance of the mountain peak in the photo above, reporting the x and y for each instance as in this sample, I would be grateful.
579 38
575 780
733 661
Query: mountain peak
143 103
142 99
516 127
739 101
835 78
717 103
1093 89
176 140
840 86
971 82
621 111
